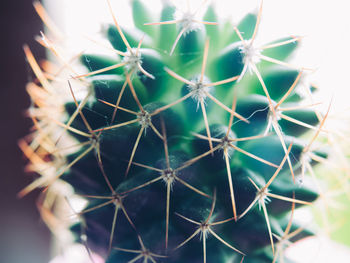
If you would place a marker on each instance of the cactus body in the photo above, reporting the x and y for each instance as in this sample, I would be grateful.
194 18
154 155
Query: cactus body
187 152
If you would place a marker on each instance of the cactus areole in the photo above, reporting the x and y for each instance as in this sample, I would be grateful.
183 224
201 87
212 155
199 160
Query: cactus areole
189 142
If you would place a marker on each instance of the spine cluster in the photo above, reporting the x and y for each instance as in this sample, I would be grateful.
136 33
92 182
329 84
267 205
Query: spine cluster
189 142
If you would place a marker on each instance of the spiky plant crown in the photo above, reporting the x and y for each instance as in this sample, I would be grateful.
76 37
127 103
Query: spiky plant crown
190 142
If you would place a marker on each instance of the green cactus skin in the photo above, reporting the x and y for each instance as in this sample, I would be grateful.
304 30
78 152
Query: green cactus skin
187 156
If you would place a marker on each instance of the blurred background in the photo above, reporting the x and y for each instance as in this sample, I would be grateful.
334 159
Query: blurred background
23 236
325 25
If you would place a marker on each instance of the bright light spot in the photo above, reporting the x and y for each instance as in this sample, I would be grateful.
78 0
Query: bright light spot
76 254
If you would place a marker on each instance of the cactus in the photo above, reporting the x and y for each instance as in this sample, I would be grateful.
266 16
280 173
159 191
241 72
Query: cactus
189 141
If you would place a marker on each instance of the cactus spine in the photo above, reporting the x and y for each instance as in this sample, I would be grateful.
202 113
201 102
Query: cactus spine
189 140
